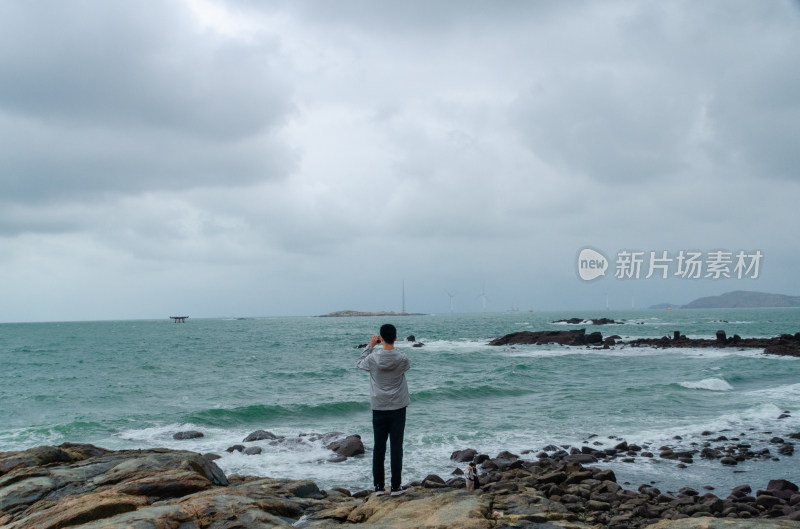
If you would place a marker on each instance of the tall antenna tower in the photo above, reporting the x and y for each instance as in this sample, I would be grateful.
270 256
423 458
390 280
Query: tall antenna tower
404 296
483 296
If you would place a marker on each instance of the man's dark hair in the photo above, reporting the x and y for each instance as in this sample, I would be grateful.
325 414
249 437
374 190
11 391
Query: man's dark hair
388 333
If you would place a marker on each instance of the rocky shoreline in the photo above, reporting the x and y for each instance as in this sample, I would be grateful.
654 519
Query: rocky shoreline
81 485
784 345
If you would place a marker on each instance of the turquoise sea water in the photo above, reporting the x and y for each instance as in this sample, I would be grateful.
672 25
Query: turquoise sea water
133 384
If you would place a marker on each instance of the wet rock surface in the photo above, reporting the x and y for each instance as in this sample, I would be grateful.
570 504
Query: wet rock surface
89 487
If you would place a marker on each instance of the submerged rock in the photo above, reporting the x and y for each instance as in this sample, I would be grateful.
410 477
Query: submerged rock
190 434
259 435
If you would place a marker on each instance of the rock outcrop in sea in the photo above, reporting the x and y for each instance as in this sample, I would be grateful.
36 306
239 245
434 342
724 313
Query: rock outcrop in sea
595 321
571 337
80 485
785 344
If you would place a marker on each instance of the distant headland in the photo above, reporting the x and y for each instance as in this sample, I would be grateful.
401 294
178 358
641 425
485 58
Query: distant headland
352 313
739 299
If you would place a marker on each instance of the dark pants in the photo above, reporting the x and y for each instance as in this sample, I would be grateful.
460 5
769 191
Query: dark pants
388 424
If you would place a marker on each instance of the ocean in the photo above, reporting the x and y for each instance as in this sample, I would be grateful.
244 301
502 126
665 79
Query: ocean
133 384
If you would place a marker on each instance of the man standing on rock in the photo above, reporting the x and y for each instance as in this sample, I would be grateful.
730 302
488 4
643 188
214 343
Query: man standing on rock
389 399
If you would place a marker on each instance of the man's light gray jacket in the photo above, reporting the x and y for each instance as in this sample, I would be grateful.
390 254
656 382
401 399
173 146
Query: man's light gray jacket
387 379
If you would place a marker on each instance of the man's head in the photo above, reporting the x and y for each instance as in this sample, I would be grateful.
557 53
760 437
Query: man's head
388 333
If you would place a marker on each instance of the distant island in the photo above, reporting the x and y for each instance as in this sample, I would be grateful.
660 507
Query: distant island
352 313
744 299
740 299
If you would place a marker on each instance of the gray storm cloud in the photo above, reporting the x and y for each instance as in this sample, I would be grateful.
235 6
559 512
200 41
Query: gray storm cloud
107 97
232 157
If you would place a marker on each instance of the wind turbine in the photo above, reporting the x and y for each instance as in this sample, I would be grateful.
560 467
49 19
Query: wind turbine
483 296
451 300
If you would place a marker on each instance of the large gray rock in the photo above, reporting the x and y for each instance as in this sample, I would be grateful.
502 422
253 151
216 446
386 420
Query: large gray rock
190 434
462 456
259 435
348 447
571 337
75 484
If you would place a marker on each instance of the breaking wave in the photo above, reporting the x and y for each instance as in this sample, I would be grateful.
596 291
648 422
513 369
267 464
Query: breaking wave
710 384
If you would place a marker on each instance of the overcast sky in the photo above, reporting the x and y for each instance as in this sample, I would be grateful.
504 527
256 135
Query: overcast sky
236 158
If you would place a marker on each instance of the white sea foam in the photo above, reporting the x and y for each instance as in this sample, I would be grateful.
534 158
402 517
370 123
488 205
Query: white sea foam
301 458
213 440
759 416
762 415
712 352
299 461
297 458
24 438
541 351
446 345
710 384
789 392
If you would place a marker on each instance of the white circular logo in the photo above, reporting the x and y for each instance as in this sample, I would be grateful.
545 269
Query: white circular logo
591 264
